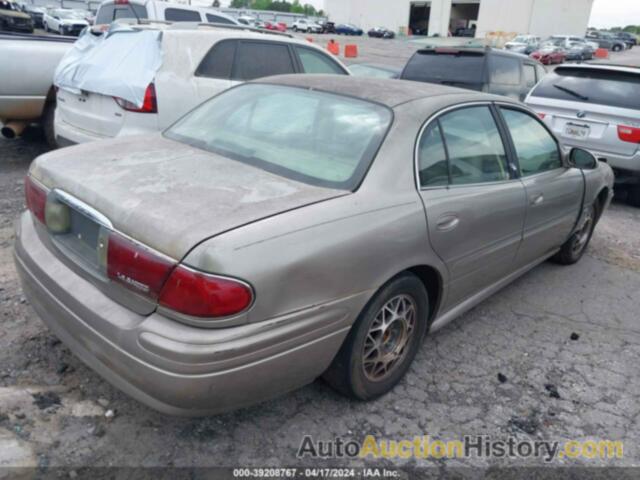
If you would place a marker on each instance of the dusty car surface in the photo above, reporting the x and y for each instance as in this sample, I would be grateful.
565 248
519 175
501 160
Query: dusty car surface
293 227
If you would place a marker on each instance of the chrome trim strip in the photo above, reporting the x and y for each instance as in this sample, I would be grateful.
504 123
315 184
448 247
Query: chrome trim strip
83 208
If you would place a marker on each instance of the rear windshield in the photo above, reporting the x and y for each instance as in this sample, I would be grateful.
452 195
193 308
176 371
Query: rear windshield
314 137
109 12
602 87
455 67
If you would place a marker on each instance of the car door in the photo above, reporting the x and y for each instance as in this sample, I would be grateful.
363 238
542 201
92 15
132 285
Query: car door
214 73
475 205
554 191
505 76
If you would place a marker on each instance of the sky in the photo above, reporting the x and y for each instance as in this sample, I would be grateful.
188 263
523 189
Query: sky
605 14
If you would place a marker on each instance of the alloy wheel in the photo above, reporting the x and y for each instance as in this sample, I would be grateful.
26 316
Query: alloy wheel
388 337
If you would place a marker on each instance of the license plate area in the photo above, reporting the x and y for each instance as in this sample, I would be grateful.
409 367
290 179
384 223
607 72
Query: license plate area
579 132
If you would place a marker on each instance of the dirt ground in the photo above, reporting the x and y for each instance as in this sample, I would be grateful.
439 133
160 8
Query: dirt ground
553 356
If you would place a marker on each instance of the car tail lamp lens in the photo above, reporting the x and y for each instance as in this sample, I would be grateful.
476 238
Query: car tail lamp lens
149 105
36 198
136 267
629 134
542 116
202 295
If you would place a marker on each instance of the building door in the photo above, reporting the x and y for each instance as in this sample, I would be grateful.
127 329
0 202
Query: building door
419 15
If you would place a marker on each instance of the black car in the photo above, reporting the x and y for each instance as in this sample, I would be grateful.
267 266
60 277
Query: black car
36 14
628 38
327 27
381 32
482 69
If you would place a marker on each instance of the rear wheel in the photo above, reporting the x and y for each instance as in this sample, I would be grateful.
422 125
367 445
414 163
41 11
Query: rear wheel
633 196
573 249
617 48
383 342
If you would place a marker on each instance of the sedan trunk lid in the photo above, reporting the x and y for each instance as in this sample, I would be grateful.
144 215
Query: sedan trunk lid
167 195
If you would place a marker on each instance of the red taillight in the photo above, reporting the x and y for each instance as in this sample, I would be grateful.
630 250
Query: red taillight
202 295
136 267
36 198
629 134
121 2
149 105
541 116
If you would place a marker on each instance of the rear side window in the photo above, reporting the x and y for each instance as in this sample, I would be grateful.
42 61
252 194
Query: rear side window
602 87
474 145
529 75
504 70
181 15
432 158
536 149
316 62
218 62
262 59
218 19
110 12
458 67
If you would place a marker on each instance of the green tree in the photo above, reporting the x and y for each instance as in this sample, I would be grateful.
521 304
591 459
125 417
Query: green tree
240 3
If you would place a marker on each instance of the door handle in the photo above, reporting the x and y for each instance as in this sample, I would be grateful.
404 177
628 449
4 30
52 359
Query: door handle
447 222
537 199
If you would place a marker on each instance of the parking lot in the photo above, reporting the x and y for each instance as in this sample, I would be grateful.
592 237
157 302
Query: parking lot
553 356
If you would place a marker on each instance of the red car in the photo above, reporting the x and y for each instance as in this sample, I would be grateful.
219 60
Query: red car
549 55
279 27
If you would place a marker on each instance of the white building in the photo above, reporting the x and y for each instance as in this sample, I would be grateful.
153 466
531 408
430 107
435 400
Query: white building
439 17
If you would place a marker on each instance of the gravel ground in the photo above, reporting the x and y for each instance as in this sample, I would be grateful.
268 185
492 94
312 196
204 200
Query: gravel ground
553 356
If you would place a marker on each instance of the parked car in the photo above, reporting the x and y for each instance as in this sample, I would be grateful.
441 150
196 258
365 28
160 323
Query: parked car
629 38
524 44
596 107
112 10
381 32
483 69
374 70
259 243
607 41
465 31
219 58
579 51
36 13
550 54
327 27
277 27
64 21
26 81
14 20
306 25
348 29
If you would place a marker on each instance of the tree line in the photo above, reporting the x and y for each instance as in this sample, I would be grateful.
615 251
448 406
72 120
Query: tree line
278 6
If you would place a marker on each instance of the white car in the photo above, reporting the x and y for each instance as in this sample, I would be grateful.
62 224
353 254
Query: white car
112 10
64 21
304 25
218 58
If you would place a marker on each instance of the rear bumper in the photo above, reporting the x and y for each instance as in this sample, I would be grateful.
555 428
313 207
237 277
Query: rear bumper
67 134
171 367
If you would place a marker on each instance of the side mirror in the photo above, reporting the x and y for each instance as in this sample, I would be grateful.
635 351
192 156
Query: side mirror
582 159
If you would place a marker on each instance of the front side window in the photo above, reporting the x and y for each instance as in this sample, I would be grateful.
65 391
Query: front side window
475 148
314 137
316 62
262 59
536 149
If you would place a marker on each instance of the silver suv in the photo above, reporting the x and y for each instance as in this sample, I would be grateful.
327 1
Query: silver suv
596 107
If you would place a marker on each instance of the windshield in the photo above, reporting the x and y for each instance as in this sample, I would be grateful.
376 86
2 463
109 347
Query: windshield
520 40
315 137
613 88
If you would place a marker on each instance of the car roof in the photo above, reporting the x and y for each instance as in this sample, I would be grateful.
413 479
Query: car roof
477 50
389 92
603 66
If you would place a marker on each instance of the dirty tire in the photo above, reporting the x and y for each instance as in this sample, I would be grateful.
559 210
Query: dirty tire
348 373
574 248
47 124
633 196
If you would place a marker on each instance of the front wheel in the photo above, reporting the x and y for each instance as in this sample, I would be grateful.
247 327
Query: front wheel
573 249
616 48
383 341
